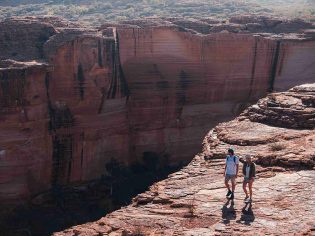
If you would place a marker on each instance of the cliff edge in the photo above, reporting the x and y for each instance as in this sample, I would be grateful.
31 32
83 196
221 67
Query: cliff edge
279 133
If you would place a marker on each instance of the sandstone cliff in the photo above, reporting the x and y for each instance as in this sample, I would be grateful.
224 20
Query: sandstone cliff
192 201
138 91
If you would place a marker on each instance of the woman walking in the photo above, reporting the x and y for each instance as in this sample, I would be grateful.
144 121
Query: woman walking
249 172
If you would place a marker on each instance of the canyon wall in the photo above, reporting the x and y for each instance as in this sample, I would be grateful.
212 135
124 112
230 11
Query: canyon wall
25 143
292 68
88 96
181 84
129 93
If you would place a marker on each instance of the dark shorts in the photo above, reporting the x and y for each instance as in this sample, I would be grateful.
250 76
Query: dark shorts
247 180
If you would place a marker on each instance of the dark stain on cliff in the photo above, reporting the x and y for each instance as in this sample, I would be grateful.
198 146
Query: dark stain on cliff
12 86
124 85
181 87
118 87
108 49
62 159
135 42
81 79
60 116
253 70
99 55
162 83
113 83
118 83
274 65
51 123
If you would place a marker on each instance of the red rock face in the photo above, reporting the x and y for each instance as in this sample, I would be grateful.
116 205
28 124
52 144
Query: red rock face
182 84
25 143
64 124
295 64
121 96
88 109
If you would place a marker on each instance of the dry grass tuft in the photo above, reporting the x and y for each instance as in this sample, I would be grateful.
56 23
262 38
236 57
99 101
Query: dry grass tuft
275 147
191 208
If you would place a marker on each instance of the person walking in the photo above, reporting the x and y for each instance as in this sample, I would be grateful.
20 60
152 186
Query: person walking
230 172
249 172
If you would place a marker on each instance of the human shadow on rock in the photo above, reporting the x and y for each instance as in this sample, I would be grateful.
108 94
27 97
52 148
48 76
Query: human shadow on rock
228 212
247 216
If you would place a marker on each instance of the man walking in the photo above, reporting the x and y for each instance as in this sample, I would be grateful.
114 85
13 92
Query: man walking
230 172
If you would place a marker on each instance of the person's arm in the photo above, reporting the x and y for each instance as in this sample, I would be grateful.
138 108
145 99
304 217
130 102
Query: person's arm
237 165
254 170
225 167
244 169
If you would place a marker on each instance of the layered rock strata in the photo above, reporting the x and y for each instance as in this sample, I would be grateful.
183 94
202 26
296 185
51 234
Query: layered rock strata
130 92
192 201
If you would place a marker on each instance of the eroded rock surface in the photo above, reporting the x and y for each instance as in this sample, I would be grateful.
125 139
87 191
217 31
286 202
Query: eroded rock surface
192 201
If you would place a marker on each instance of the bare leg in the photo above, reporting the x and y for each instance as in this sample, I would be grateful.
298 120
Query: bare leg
250 185
233 184
227 184
244 188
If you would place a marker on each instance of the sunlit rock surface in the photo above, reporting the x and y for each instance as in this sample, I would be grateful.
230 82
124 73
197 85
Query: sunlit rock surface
76 98
192 201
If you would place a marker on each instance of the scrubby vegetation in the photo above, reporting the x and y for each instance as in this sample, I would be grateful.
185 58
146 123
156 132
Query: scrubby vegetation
97 11
191 208
277 147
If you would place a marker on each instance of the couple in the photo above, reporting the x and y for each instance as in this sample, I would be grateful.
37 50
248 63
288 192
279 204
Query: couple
231 171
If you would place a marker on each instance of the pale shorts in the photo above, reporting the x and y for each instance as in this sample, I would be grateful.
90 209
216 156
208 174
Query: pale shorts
230 177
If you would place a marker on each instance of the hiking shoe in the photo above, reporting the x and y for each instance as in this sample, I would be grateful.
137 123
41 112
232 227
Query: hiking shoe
246 199
228 193
232 196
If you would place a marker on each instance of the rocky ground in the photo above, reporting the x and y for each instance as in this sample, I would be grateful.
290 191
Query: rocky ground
279 133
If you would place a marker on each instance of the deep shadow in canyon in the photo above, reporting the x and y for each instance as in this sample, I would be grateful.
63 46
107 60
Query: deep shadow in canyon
66 206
